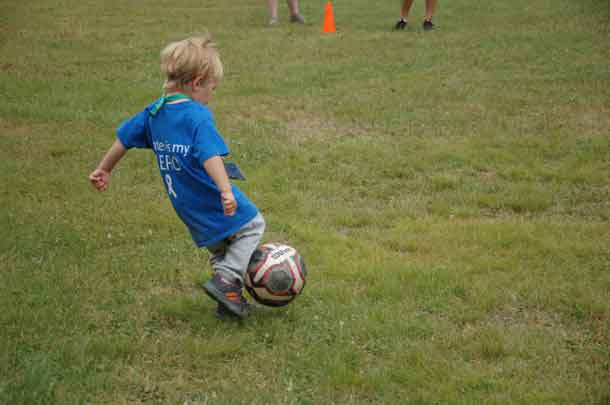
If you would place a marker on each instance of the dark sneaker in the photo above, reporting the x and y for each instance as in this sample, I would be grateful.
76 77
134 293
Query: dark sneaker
297 18
401 24
428 26
228 294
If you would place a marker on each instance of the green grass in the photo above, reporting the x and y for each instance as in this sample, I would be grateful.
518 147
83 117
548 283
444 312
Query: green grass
449 192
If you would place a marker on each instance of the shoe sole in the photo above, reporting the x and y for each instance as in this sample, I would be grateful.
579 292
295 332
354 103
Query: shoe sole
227 315
224 316
219 297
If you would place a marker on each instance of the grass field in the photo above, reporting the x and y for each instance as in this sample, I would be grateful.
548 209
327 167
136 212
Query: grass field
449 192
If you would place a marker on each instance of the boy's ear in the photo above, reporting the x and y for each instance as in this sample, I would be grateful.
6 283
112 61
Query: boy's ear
198 81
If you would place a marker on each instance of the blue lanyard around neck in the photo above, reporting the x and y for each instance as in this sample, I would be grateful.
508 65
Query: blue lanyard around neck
167 99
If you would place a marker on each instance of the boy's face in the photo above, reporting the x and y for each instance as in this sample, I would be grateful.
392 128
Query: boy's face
203 93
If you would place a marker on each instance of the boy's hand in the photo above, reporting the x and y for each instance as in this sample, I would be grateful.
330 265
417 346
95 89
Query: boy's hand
228 203
100 179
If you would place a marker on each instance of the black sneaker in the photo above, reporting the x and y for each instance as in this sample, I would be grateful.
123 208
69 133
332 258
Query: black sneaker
228 294
428 26
297 18
401 24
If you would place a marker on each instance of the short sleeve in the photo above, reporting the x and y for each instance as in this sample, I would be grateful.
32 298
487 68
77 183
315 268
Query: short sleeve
133 132
208 142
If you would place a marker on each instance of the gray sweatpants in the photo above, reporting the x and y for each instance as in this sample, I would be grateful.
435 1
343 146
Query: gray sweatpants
231 256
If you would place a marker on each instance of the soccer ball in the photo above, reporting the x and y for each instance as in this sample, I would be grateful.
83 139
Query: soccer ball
276 274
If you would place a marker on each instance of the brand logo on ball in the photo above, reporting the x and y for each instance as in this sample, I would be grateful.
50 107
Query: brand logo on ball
280 252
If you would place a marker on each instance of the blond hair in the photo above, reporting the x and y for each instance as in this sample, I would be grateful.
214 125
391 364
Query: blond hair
182 61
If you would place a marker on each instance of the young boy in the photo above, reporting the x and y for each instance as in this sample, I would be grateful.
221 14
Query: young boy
179 128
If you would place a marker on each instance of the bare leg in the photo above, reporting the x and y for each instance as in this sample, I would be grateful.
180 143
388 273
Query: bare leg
406 6
272 9
430 7
293 7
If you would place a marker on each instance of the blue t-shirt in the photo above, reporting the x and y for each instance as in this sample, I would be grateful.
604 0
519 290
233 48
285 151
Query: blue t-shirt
183 136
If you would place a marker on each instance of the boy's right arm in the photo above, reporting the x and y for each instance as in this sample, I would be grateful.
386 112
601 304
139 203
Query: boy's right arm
100 177
215 167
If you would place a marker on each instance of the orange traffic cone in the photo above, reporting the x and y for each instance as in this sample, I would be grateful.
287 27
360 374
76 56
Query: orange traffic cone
329 19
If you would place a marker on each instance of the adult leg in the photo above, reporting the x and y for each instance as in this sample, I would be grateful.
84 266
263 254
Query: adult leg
404 13
293 7
272 4
295 16
406 7
430 8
